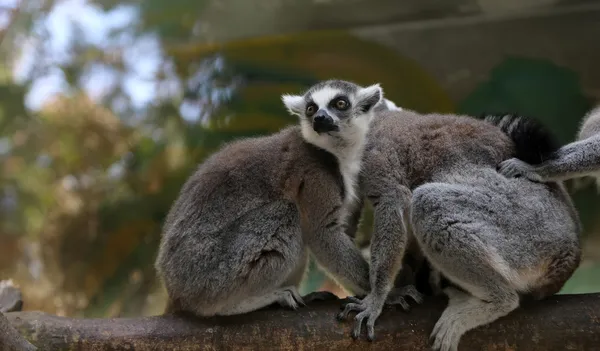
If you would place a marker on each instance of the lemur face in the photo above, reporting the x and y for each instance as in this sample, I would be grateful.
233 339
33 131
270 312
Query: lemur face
334 105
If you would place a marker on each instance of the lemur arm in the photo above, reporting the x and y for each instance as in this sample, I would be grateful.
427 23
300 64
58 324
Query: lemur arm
353 218
389 239
321 212
574 160
388 243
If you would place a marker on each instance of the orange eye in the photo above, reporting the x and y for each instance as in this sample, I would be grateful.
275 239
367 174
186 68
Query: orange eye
341 104
310 110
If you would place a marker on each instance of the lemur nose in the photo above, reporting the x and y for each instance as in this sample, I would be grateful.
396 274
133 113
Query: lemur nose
320 118
322 122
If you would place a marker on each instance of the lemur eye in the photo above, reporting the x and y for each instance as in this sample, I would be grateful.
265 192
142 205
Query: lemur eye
341 104
311 109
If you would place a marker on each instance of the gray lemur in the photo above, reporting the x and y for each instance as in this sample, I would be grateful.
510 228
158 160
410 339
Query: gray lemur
578 159
236 238
432 179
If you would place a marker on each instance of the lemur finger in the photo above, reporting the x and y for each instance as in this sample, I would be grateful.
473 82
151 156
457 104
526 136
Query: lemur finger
296 295
506 167
371 327
399 300
349 308
439 335
412 292
358 320
353 299
408 291
435 331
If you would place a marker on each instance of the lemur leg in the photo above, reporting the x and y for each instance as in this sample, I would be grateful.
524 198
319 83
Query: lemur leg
287 295
265 260
455 240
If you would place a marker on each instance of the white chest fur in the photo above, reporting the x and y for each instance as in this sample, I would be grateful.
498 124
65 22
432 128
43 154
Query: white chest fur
348 151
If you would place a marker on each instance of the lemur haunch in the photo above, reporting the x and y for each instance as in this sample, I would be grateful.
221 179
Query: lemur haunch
432 178
577 159
236 238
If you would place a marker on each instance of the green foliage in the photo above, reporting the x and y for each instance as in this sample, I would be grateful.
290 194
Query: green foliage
585 280
532 87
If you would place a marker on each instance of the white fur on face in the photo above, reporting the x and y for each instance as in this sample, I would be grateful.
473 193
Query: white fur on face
347 145
324 96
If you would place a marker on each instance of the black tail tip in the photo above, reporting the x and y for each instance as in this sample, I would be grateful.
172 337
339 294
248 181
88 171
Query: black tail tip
534 143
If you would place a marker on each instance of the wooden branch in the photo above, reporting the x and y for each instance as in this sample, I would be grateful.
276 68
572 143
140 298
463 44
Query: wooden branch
567 322
10 339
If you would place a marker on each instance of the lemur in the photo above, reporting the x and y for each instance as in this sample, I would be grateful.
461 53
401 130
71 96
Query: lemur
432 181
237 237
577 159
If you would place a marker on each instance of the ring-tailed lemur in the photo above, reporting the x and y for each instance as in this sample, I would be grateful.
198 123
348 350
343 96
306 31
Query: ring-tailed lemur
577 159
496 238
236 238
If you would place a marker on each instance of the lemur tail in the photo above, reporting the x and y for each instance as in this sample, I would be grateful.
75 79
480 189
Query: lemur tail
534 143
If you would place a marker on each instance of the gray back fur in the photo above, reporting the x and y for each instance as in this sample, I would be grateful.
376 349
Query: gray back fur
241 204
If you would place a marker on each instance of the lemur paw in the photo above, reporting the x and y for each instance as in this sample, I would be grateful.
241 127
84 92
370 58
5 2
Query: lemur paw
398 296
514 168
367 309
319 296
445 335
289 297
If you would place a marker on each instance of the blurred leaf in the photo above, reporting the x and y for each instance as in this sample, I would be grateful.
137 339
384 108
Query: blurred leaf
585 280
532 87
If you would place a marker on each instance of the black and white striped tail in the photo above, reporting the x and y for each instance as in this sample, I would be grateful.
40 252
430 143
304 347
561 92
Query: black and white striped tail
534 142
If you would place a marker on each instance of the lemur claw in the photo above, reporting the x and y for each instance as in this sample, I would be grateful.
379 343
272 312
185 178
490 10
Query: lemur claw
366 309
398 296
290 298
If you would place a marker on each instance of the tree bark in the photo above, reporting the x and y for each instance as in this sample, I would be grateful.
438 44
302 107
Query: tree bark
10 339
565 322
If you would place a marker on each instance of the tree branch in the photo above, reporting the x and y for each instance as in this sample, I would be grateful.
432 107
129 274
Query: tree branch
566 322
10 339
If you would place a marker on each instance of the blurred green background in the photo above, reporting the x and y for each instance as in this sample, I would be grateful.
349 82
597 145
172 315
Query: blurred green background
107 106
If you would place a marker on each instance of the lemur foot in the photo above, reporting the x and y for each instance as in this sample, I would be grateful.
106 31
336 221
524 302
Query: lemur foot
289 297
368 309
514 168
398 296
319 296
448 329
445 336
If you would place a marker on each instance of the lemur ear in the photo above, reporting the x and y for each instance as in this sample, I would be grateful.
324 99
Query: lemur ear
293 103
391 105
369 97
